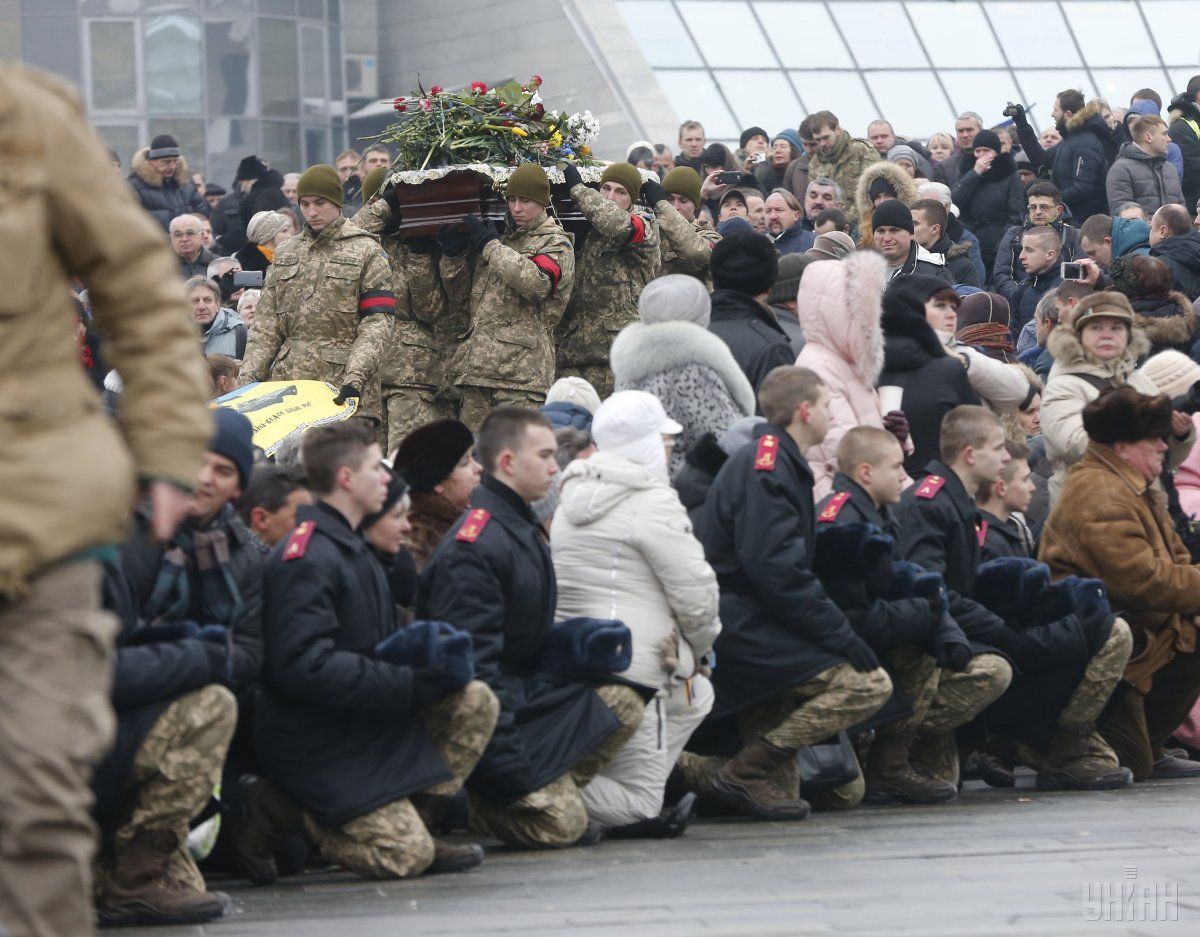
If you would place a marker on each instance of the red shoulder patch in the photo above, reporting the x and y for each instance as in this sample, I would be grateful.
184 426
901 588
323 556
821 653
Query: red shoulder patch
473 526
297 544
981 531
768 448
930 486
833 508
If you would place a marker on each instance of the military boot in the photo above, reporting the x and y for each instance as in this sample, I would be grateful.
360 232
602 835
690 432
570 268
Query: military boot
267 816
1079 760
892 780
744 783
141 889
450 858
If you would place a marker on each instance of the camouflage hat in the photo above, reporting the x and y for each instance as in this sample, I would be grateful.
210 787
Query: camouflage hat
372 182
529 181
624 174
321 181
685 181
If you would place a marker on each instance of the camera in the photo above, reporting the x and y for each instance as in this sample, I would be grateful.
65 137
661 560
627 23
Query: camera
729 177
250 279
1189 402
758 158
1071 271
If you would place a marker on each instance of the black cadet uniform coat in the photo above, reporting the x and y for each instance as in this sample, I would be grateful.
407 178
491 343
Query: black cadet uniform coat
1001 539
779 627
334 728
492 576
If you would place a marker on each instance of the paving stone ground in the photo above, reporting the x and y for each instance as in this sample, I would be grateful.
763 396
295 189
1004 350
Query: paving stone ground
993 862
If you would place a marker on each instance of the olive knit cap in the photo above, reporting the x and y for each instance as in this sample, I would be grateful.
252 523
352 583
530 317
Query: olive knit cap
529 181
624 174
372 182
321 181
685 181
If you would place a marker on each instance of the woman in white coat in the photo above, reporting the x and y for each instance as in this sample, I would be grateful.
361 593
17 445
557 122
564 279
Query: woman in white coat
623 548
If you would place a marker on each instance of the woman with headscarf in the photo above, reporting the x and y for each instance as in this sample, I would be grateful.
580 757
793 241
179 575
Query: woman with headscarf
437 461
671 354
623 549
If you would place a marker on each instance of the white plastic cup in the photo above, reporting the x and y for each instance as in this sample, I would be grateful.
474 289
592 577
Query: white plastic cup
890 398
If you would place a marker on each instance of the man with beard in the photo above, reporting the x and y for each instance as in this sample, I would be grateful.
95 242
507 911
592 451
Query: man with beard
785 223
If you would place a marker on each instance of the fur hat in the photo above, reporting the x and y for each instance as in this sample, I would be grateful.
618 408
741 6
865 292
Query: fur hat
264 226
745 262
714 154
685 181
529 181
163 146
321 181
428 454
576 390
1121 414
892 214
675 297
787 282
251 167
1106 303
1172 372
625 175
233 438
832 245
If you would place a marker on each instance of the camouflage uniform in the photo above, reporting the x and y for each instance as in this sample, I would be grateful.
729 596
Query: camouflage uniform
393 841
555 816
325 313
427 325
519 286
619 257
686 246
174 773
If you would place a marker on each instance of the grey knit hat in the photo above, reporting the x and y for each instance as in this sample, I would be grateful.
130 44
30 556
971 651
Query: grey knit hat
787 283
264 226
675 297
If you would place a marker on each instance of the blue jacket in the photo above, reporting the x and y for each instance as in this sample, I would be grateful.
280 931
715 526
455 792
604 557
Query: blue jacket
795 240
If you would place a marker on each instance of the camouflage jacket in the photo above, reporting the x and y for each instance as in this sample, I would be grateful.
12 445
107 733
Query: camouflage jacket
685 246
326 312
846 162
519 286
619 257
427 325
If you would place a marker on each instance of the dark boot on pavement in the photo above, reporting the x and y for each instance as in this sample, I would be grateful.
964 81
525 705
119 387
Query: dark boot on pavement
141 889
451 858
268 816
669 824
744 783
891 779
1170 766
1077 759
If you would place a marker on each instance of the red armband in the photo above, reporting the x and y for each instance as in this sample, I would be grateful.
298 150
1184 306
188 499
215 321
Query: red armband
639 229
373 301
549 266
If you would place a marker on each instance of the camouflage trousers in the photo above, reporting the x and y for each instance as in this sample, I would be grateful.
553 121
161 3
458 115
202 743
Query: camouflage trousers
174 773
554 816
393 841
1100 678
477 402
408 407
600 376
806 714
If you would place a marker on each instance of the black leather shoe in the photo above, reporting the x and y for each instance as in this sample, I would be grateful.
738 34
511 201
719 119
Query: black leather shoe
667 825
1169 767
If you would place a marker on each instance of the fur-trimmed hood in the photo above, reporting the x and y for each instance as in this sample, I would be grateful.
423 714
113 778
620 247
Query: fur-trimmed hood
906 188
1070 357
1165 320
1086 119
643 350
148 174
840 306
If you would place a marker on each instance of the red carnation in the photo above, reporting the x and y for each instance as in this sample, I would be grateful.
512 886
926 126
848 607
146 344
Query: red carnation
541 110
479 87
398 104
536 81
436 89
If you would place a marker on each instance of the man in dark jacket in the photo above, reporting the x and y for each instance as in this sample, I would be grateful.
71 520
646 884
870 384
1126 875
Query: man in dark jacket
1174 241
925 651
492 576
255 188
1053 704
785 223
1044 206
1185 130
1079 164
162 183
171 689
1039 258
1142 173
358 751
790 677
893 233
194 258
1002 505
929 231
744 266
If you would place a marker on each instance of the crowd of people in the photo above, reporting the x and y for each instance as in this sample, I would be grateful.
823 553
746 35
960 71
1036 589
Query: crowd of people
825 472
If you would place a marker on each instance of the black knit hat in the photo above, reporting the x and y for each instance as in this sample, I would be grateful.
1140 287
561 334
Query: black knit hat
396 489
987 138
749 133
892 214
714 155
251 167
745 262
163 146
881 186
233 438
428 454
1121 414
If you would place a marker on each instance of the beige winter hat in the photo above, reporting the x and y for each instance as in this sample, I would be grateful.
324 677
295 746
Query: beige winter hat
1172 372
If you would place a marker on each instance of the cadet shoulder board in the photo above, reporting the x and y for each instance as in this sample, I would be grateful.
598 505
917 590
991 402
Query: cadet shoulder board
930 486
768 448
833 508
473 526
297 544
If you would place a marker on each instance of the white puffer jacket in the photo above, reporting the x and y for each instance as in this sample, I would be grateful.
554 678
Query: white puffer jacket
623 548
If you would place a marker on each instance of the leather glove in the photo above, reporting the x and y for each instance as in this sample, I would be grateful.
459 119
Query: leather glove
653 192
953 656
1016 112
426 686
479 232
571 174
858 654
452 240
896 423
347 391
420 244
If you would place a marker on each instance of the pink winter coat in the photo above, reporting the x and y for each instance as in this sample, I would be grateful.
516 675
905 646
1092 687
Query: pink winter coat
1187 477
840 304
